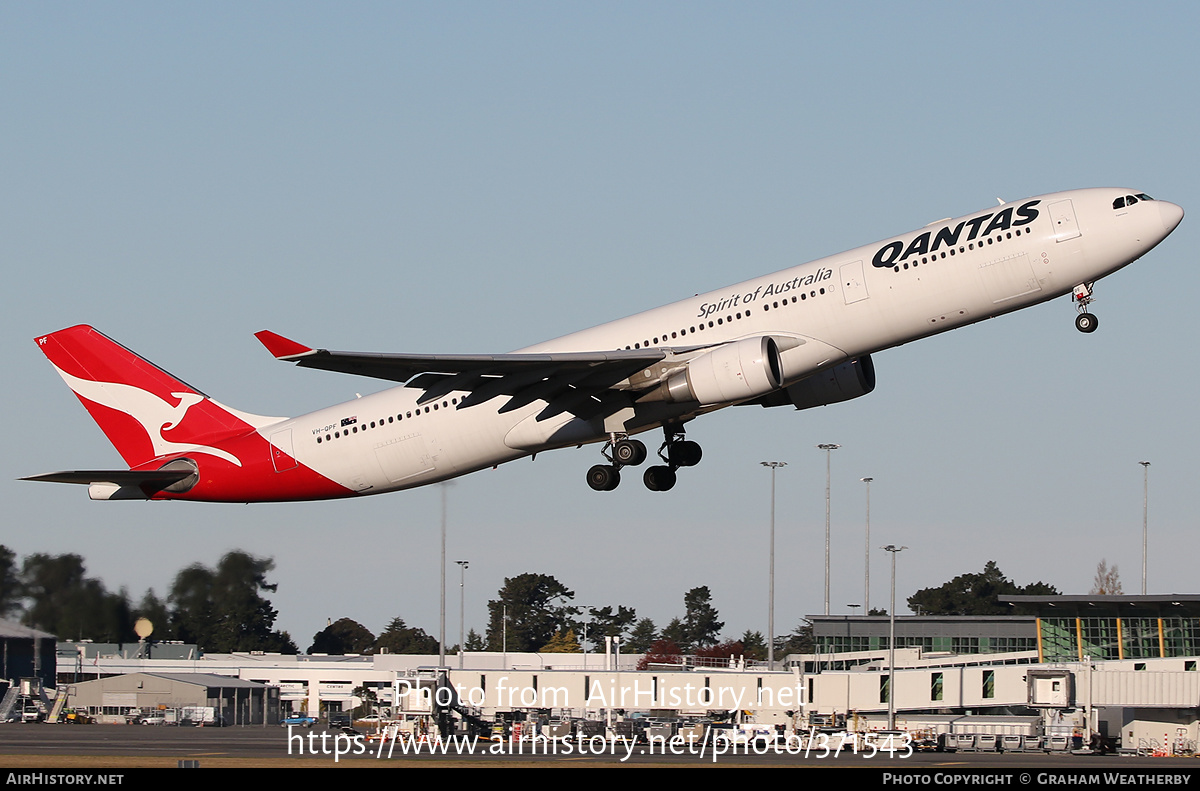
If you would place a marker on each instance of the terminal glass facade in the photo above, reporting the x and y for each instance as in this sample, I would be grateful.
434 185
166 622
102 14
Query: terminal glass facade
1059 628
1111 627
962 635
955 645
1181 636
1072 639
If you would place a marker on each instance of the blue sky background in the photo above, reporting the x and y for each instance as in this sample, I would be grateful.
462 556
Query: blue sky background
477 177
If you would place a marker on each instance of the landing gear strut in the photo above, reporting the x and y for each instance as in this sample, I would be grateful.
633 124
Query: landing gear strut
1082 296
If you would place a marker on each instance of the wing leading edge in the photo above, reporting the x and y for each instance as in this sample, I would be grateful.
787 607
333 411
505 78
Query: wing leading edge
569 381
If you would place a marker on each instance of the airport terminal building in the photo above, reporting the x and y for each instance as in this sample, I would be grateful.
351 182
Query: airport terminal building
1116 665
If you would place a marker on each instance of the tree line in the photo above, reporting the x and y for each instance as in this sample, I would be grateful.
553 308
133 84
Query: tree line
224 609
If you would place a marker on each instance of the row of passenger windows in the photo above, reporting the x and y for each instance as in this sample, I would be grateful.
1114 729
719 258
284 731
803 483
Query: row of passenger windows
728 319
997 239
347 431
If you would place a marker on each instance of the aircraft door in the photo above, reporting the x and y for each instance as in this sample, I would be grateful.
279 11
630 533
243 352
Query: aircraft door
1062 214
282 455
854 284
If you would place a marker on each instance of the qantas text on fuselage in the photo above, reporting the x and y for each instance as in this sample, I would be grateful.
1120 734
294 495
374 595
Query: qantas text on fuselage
801 337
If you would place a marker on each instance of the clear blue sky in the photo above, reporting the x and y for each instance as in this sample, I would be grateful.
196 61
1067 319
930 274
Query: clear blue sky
476 177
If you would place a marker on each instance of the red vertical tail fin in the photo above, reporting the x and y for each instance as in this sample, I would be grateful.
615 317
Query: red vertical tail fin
144 411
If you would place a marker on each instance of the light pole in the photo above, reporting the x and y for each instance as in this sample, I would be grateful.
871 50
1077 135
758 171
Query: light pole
827 447
442 617
892 640
462 598
1145 516
849 629
867 553
774 465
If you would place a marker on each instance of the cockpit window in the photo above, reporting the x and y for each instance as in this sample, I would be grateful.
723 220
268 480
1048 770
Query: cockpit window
1129 200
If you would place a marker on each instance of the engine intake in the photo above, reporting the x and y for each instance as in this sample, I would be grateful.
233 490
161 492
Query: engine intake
732 372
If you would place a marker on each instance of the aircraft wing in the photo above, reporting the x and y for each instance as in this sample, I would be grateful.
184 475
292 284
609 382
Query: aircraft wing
571 381
403 367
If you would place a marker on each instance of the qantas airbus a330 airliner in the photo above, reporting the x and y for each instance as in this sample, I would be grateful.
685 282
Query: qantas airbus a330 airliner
800 337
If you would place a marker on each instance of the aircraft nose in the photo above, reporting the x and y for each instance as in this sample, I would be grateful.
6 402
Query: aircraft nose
1171 214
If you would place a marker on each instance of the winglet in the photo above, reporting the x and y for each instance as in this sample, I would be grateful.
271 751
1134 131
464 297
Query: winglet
282 348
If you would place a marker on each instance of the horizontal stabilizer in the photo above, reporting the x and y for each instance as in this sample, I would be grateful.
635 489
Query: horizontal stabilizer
158 479
124 484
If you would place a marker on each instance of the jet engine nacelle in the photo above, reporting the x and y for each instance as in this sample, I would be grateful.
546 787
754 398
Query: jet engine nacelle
731 372
843 382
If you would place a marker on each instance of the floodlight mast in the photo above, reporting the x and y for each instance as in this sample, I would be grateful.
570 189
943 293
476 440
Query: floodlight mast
1145 516
462 598
774 465
867 553
827 447
892 640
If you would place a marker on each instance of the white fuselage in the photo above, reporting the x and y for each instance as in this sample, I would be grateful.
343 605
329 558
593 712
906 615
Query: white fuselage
946 275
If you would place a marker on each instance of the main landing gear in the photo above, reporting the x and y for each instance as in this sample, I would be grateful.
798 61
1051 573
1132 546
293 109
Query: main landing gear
1082 296
625 452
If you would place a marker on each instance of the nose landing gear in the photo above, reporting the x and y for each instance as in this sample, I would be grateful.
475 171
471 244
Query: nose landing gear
1082 297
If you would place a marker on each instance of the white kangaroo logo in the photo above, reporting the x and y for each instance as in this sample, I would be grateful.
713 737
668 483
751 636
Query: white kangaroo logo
155 414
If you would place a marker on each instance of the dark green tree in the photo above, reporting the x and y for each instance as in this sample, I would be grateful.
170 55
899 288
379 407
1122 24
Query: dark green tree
155 611
223 609
700 618
537 608
10 583
343 636
398 638
70 605
193 617
676 633
603 622
974 594
754 645
474 641
800 641
641 638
